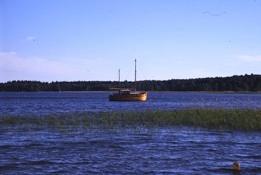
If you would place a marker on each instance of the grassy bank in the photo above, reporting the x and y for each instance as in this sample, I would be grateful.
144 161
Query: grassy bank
206 118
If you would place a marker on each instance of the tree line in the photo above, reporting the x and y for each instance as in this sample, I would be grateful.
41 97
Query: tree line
234 83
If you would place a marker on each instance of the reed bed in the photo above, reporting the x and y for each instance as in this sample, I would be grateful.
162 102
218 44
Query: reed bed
235 119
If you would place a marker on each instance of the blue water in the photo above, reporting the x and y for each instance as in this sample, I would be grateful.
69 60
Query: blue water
151 150
20 103
128 151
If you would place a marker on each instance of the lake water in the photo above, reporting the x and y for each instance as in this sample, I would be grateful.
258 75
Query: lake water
22 103
155 150
128 151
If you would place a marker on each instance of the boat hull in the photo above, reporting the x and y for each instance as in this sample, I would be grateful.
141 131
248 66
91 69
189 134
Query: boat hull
142 96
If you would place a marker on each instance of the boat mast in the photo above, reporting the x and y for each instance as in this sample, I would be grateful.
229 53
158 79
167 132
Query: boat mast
119 77
135 73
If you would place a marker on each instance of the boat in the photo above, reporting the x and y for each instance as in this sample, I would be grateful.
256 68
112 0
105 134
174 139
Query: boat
129 94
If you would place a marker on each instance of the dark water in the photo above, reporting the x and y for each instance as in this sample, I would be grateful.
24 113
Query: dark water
54 102
166 150
128 151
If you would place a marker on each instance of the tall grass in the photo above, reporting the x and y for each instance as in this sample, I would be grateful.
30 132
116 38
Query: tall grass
208 118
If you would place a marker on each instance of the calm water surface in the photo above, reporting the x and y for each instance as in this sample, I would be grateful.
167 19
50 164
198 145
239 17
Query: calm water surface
165 150
54 102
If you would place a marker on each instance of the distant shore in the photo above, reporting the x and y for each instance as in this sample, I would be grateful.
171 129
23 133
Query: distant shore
241 83
232 119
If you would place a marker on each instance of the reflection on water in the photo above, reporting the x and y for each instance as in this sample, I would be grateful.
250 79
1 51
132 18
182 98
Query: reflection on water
128 151
52 102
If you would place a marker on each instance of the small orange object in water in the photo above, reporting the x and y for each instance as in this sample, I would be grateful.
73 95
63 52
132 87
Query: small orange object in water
236 166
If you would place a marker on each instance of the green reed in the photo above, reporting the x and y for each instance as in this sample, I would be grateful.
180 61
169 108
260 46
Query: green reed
239 119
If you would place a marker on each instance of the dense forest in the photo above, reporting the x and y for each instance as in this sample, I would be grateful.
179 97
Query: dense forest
235 83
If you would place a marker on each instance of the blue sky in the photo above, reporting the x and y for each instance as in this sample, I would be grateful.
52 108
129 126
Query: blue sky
91 39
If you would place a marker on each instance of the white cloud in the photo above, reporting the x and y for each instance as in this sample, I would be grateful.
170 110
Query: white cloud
15 67
31 38
250 58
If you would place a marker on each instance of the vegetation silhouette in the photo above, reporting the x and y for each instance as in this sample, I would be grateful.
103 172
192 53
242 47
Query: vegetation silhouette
234 83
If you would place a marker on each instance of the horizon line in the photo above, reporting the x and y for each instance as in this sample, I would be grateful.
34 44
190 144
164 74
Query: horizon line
251 74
